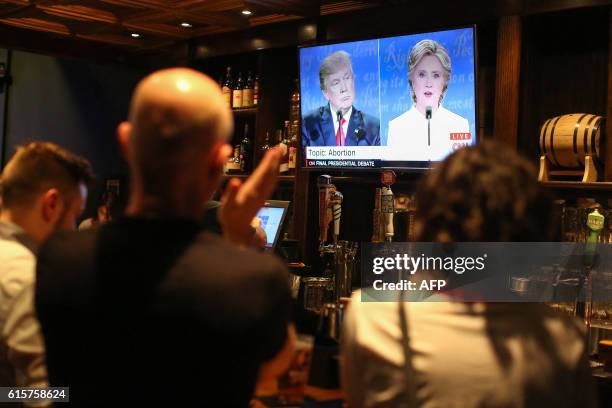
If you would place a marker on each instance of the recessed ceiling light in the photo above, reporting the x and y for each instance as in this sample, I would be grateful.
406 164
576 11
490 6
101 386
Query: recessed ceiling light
247 12
135 35
186 25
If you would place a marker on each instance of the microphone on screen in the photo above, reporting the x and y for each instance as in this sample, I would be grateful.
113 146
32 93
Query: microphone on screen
428 117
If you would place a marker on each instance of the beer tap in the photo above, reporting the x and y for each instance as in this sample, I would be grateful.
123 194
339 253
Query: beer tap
584 301
324 185
335 201
387 205
387 208
337 256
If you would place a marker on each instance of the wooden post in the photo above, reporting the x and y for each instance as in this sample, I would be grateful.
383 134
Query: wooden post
5 58
505 126
608 143
301 224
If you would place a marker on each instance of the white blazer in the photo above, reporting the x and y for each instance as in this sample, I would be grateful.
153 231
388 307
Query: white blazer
408 135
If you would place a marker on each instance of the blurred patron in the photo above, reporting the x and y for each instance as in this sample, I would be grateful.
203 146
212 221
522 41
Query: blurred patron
451 353
148 309
43 189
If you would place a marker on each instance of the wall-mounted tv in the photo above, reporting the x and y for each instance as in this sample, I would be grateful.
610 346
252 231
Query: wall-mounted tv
395 102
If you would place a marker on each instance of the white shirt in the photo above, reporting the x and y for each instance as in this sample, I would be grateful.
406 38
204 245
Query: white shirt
408 135
22 353
346 116
465 355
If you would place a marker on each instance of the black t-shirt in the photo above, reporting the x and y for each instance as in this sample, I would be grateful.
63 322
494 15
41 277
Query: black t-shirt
210 220
156 311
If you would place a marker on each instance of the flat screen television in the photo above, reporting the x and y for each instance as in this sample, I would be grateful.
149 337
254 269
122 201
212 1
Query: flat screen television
394 102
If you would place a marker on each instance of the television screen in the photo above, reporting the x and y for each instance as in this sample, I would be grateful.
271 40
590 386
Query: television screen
396 102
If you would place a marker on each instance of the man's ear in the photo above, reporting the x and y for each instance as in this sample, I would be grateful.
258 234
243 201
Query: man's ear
124 131
52 205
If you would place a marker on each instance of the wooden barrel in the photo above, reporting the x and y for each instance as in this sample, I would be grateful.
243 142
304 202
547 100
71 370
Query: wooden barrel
565 140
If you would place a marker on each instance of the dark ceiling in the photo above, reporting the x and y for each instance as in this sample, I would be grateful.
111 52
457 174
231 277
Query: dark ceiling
146 26
150 32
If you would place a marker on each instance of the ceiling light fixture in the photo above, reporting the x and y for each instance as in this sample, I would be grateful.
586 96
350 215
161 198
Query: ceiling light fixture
247 12
135 35
186 25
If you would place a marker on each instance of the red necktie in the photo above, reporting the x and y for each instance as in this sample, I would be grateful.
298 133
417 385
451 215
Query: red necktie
340 137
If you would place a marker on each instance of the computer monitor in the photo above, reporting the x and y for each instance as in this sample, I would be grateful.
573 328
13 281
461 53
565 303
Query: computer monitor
272 216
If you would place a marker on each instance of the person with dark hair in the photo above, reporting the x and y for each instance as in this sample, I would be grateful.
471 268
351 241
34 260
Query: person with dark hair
148 309
483 194
43 188
452 353
339 123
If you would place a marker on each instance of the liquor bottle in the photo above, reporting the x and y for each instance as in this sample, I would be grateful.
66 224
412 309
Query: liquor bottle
293 147
237 93
245 151
237 157
295 128
256 90
284 164
294 107
227 87
266 144
286 130
286 137
233 164
247 92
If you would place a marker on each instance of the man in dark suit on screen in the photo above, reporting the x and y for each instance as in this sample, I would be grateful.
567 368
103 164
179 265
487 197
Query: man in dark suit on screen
339 123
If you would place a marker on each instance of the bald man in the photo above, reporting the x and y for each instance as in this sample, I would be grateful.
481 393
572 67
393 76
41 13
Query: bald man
148 309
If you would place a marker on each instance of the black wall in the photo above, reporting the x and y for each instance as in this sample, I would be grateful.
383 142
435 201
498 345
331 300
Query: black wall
75 104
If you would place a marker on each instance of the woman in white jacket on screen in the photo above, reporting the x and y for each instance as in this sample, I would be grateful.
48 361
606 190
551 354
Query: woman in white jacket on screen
429 69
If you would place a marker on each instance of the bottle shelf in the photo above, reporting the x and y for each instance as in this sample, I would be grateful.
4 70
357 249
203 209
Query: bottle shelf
577 185
281 178
244 111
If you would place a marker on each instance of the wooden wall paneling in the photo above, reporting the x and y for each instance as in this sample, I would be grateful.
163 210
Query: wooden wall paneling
487 56
5 58
486 101
527 99
564 69
505 127
608 142
547 6
278 69
301 222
